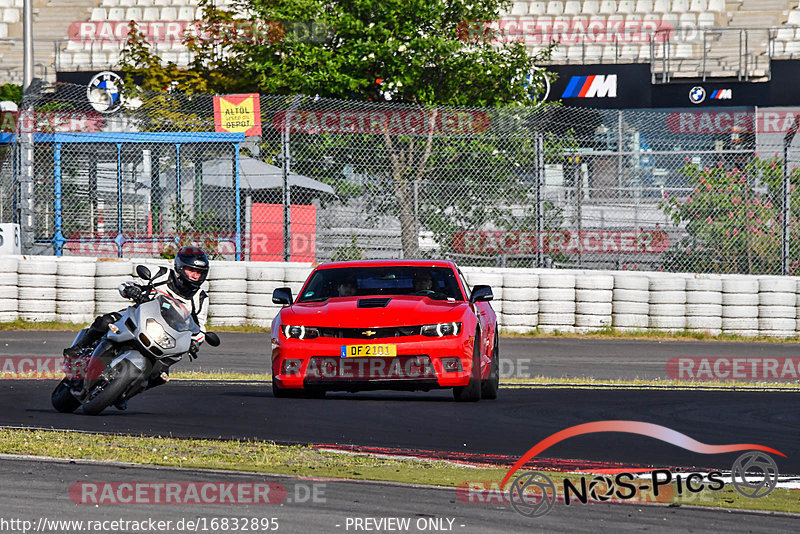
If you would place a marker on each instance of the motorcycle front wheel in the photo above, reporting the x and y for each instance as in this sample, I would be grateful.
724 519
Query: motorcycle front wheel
63 400
104 395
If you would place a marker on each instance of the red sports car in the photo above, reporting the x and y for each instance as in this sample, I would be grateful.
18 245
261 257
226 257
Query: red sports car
387 324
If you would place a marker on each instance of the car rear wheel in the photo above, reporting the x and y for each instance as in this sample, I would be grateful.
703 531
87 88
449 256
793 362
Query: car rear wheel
490 386
472 391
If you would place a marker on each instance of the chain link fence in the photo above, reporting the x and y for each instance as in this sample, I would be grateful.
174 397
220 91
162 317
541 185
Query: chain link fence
683 190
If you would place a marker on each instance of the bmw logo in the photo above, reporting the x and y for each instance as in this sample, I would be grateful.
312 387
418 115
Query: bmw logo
697 95
104 92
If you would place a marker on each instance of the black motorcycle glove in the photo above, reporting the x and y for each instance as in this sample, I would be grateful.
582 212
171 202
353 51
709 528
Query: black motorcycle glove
193 349
134 293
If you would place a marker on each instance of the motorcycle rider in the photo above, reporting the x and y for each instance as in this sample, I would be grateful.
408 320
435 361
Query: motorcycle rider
182 283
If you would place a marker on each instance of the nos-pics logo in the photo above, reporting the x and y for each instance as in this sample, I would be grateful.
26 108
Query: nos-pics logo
754 474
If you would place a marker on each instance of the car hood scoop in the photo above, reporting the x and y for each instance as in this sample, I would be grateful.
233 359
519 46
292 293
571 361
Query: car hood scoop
373 303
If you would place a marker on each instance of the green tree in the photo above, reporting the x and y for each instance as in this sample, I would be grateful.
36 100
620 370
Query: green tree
12 92
425 53
733 219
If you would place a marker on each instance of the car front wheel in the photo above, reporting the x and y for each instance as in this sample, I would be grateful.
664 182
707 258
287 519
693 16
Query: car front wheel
472 391
490 386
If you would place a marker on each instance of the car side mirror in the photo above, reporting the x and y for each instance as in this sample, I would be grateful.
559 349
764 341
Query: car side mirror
481 294
212 339
283 296
143 272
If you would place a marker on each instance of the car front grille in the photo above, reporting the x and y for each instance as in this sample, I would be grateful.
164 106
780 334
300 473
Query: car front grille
370 333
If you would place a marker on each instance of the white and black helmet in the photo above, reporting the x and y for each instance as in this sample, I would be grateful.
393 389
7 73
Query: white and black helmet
189 263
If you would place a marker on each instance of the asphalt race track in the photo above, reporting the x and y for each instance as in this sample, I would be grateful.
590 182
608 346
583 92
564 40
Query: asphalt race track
509 426
555 357
429 424
34 490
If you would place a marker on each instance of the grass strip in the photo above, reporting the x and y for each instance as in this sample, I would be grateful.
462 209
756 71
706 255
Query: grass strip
303 460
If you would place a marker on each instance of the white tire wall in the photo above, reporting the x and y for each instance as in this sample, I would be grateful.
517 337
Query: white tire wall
556 302
593 301
518 311
109 274
667 303
36 282
227 293
704 304
630 302
75 291
777 306
262 280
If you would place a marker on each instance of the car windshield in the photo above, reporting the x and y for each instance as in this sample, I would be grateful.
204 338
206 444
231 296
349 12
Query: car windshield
434 282
176 314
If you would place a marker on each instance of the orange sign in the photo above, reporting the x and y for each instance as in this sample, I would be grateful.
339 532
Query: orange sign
238 114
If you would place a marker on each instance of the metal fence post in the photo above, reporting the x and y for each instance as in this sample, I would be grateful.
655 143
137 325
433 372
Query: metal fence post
238 195
539 172
287 193
58 236
120 239
178 203
787 201
286 169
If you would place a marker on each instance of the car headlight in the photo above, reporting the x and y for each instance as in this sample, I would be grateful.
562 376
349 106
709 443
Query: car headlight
441 329
157 334
300 332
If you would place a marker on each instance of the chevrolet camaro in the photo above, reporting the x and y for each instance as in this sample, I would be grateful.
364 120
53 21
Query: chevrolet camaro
386 324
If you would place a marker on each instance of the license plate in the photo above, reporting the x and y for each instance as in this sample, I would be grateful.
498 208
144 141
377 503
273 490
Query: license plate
369 351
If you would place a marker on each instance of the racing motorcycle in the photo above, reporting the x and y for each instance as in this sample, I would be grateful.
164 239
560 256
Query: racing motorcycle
150 337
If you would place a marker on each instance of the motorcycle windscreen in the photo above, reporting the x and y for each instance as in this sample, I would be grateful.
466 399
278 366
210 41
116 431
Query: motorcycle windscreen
176 314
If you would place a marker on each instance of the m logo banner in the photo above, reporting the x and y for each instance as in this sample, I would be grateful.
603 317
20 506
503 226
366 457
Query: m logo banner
595 86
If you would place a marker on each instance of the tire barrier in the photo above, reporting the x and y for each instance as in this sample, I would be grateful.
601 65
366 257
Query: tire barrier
9 290
704 304
556 302
262 279
520 304
77 289
630 302
777 301
593 296
36 282
740 306
667 302
227 291
109 274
